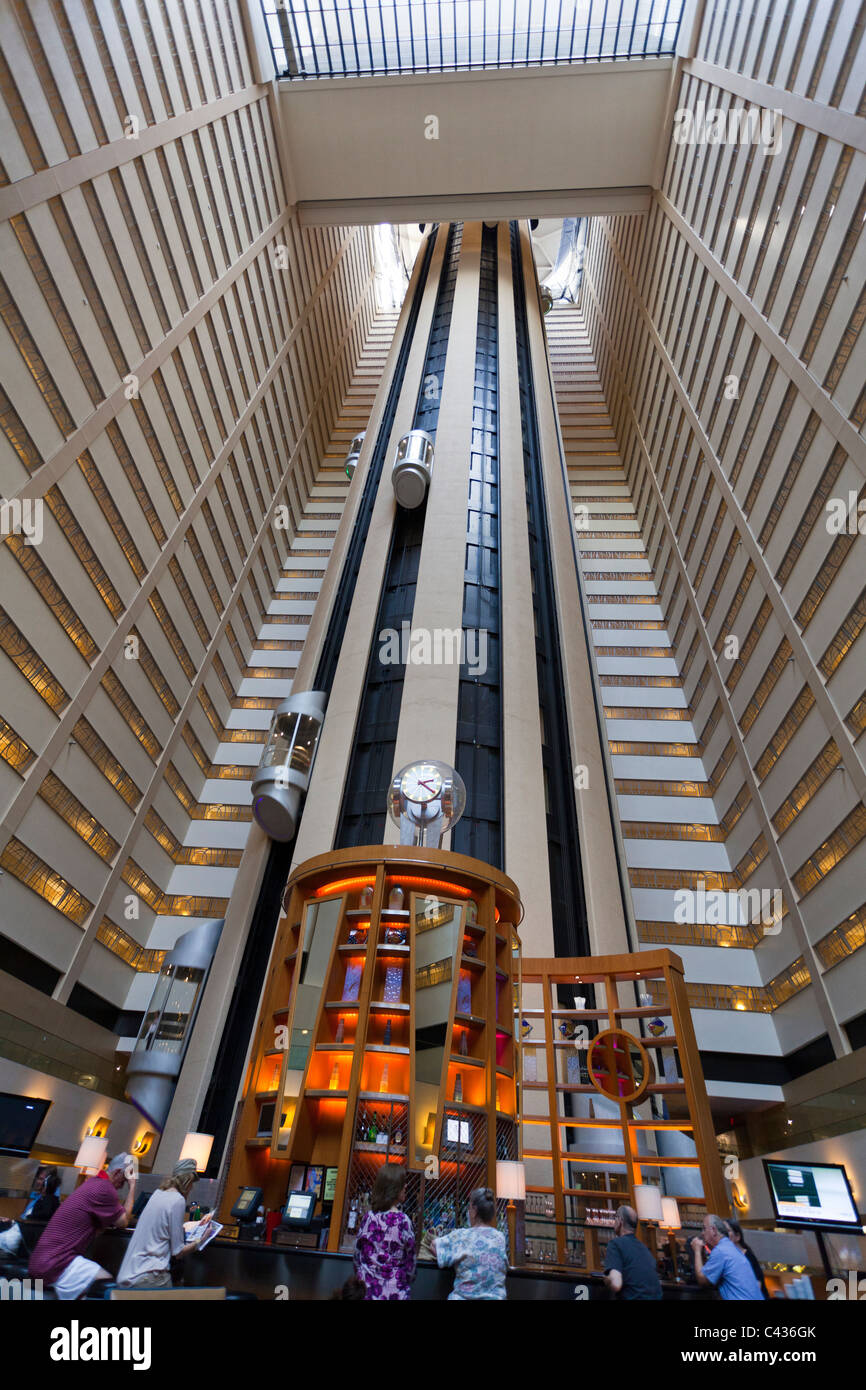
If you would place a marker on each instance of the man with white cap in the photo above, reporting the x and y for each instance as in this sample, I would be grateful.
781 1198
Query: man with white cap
58 1258
158 1237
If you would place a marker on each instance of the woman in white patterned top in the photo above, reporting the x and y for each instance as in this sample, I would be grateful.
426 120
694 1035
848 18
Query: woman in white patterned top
477 1254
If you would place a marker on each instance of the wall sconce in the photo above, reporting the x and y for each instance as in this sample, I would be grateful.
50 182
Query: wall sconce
143 1143
91 1155
197 1146
98 1129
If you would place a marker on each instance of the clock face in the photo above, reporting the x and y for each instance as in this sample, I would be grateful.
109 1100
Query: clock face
420 783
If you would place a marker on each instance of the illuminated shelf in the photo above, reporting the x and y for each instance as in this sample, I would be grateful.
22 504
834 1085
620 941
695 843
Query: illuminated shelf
382 1006
472 963
384 1096
472 1019
347 1005
389 1149
645 1011
400 914
384 949
387 1047
310 1094
456 1060
266 1095
258 1143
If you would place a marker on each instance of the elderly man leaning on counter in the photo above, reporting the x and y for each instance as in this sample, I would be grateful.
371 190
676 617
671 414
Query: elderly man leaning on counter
727 1268
58 1258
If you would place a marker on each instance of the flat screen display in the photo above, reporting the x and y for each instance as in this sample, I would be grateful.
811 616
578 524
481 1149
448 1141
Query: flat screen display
20 1121
247 1203
811 1194
299 1208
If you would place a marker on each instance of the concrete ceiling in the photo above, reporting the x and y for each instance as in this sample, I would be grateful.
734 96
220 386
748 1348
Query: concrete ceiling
538 142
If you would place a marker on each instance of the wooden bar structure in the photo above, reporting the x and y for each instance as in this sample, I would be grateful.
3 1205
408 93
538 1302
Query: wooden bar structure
617 1050
386 1033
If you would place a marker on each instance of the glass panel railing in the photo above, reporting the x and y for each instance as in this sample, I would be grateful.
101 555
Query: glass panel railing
31 1046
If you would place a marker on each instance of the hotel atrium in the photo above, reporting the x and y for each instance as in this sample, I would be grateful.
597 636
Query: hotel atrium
608 261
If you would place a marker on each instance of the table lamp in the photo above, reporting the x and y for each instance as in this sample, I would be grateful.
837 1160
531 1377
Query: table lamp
511 1183
91 1155
670 1217
648 1201
197 1146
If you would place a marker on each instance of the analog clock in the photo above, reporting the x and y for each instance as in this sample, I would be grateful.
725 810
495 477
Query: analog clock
420 783
425 800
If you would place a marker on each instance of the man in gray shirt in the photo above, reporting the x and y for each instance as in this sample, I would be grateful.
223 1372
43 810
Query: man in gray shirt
158 1237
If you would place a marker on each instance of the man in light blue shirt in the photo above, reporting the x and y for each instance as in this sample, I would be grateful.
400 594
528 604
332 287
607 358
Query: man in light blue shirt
727 1268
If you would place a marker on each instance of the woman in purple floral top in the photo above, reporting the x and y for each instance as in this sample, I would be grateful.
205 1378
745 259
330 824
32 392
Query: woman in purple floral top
385 1248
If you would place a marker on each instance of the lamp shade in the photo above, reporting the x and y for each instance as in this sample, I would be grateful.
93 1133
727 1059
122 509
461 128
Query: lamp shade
510 1180
648 1200
671 1214
91 1155
197 1146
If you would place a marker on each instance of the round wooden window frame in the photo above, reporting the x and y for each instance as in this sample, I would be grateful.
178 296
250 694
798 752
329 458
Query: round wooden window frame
645 1058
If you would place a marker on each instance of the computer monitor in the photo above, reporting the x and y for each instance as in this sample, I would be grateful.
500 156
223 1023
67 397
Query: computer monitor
299 1209
247 1204
140 1203
20 1120
811 1194
266 1119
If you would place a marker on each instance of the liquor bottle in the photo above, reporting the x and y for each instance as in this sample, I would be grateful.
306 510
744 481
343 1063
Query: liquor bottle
398 1136
383 1085
464 1045
341 1030
362 1125
396 899
458 1088
371 1131
334 1083
352 1218
366 898
387 1038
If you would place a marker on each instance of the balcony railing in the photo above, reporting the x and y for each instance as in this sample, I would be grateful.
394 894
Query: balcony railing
359 38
